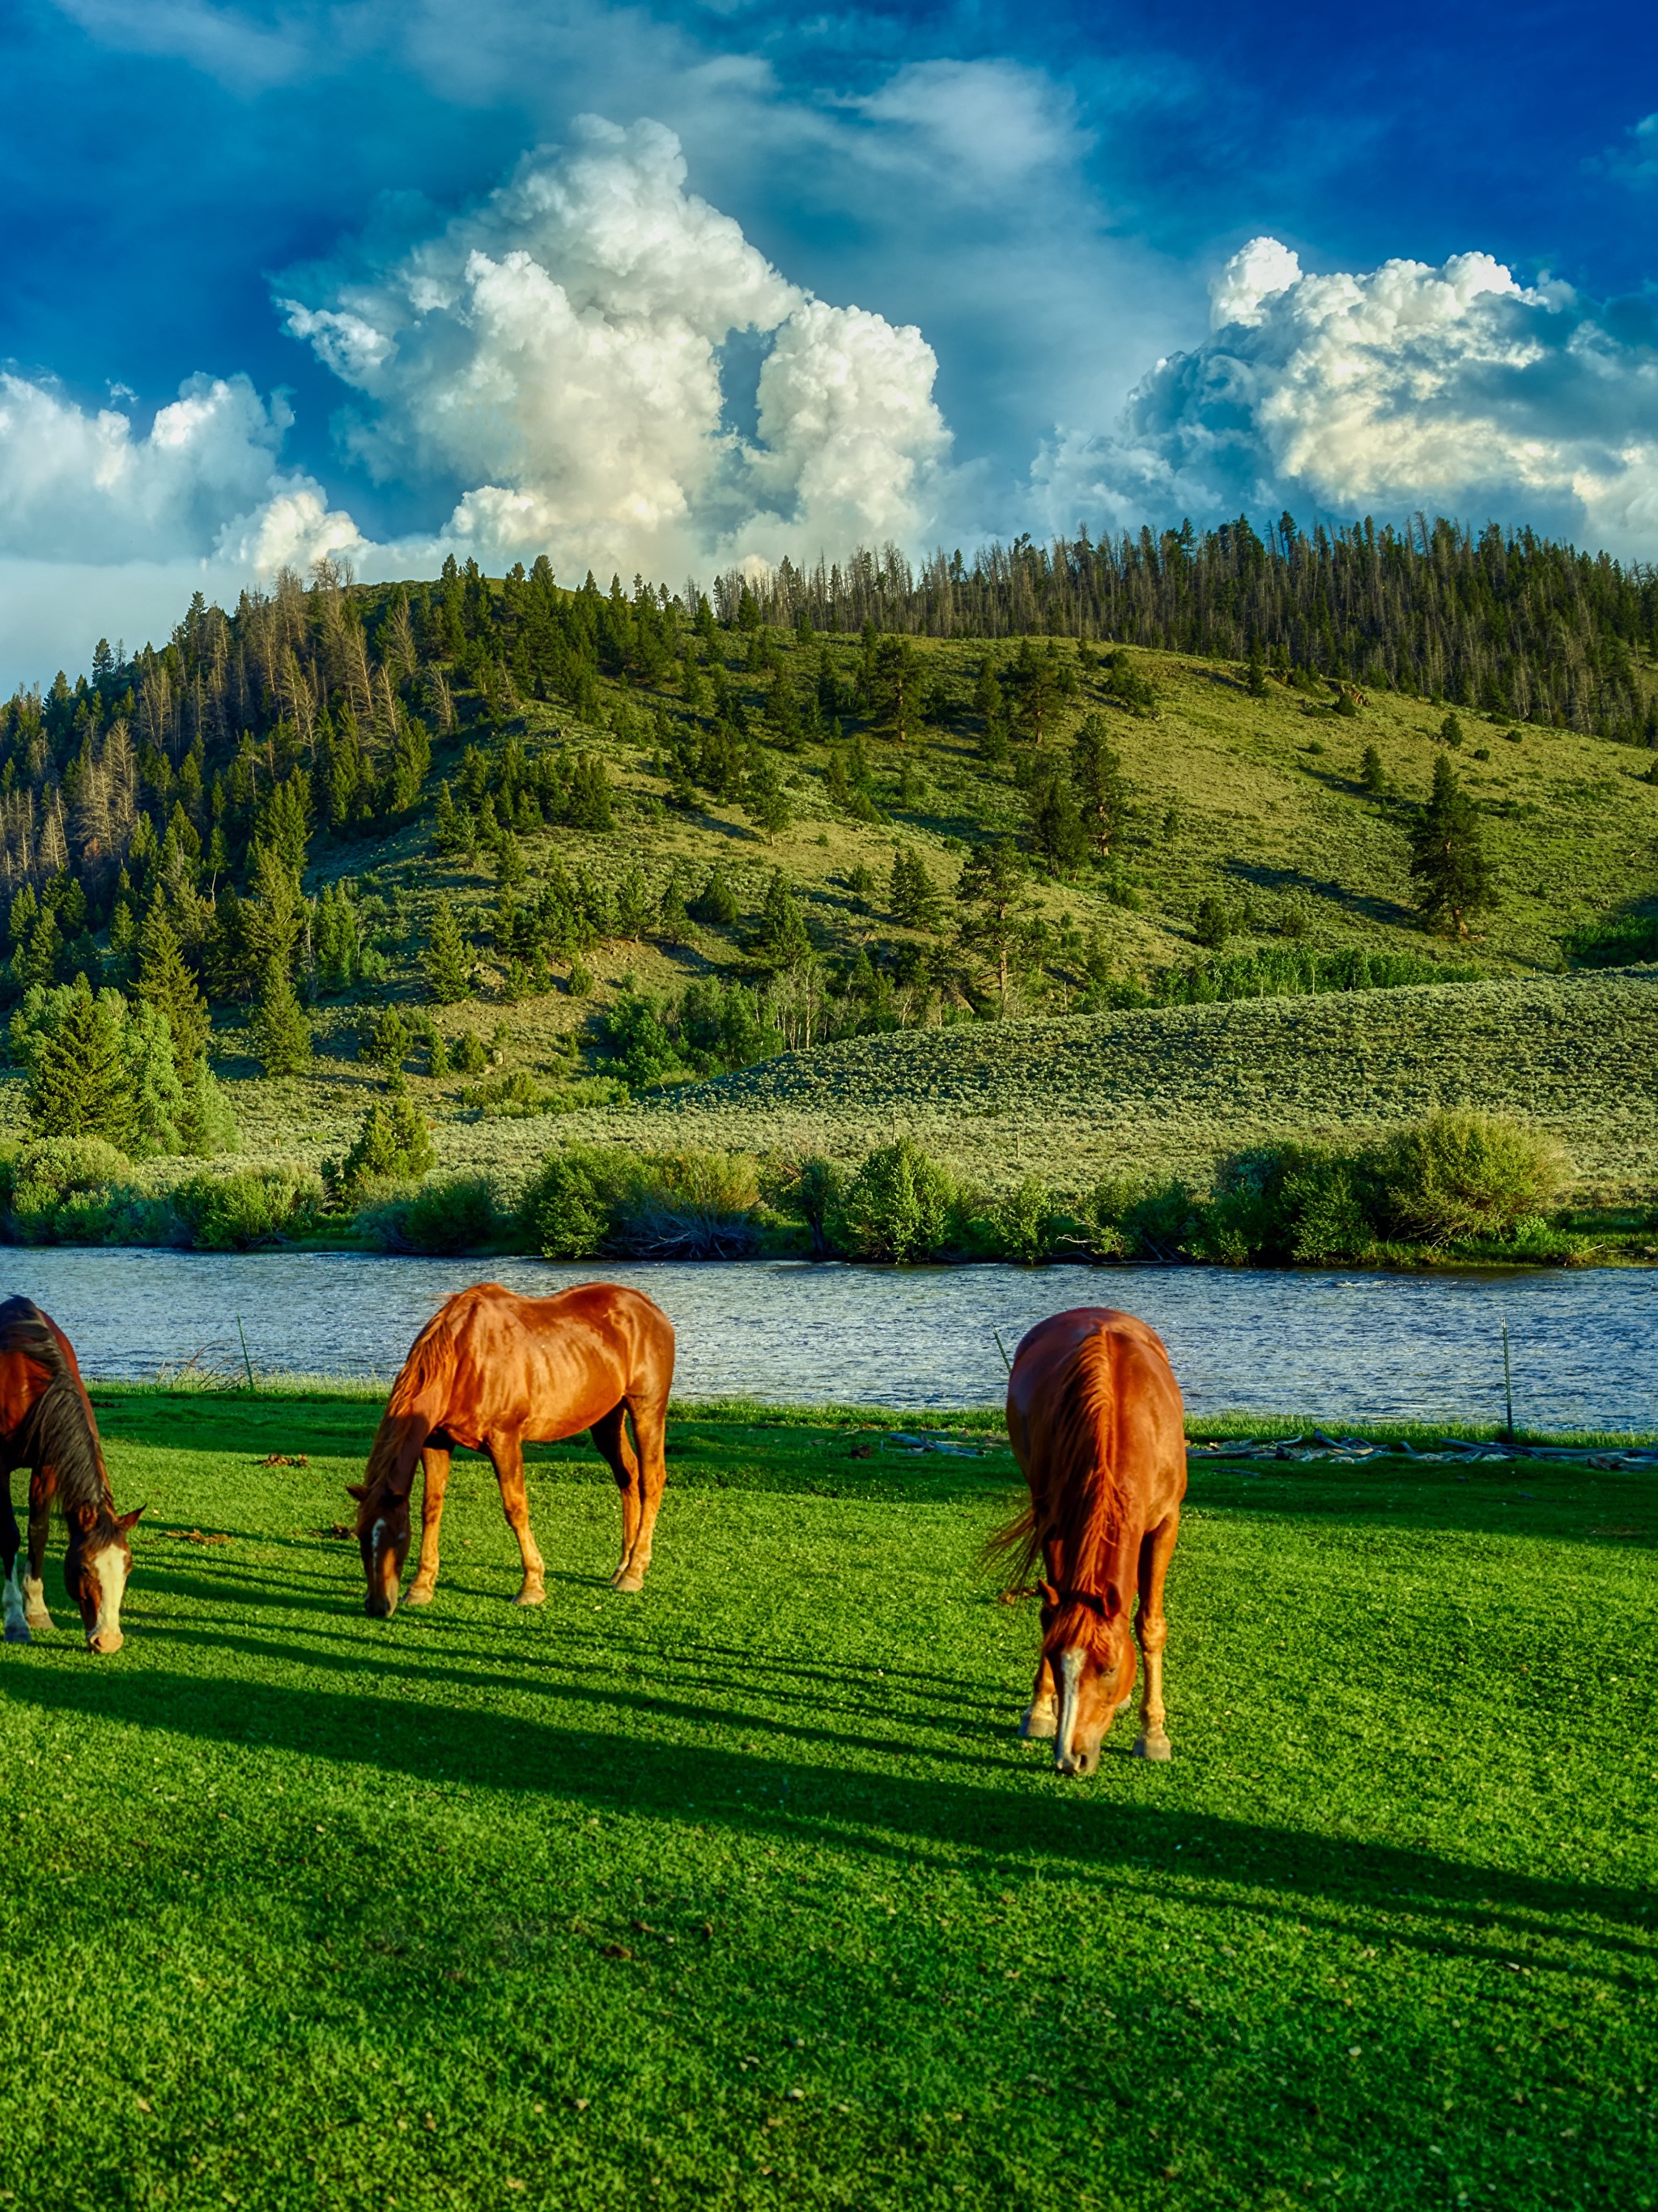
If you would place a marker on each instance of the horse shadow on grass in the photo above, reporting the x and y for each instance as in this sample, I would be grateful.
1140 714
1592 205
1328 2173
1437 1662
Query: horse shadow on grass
1006 1825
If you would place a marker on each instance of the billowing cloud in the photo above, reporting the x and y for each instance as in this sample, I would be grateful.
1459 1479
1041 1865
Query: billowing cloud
77 484
1453 389
559 353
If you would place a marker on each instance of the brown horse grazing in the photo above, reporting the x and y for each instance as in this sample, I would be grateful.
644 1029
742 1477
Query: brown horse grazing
491 1371
46 1426
1096 1424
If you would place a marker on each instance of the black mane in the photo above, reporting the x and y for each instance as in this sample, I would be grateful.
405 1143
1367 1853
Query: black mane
57 1429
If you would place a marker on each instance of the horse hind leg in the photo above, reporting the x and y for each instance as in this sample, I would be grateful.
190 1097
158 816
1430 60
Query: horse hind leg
650 1427
435 1463
610 1434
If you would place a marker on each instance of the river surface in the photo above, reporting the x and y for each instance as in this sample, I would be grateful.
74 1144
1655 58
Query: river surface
1346 1347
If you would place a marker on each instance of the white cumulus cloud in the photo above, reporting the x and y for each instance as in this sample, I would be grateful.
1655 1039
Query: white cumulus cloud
1455 389
559 352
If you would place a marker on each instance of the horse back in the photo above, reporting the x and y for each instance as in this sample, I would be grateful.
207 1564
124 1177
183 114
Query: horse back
490 1360
1096 1423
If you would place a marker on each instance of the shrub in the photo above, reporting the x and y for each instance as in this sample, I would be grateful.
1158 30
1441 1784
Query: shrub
394 1145
447 1216
895 1207
79 1190
690 1205
568 1205
1462 1174
229 1212
1023 1224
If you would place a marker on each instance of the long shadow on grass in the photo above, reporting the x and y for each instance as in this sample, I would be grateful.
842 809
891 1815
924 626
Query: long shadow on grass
1444 1906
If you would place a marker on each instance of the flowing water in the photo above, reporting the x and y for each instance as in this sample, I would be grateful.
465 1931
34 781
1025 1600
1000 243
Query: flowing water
1346 1347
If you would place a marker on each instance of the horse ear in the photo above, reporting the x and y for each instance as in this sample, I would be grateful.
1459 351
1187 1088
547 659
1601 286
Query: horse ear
1049 1595
127 1521
1096 1604
1111 1606
357 1489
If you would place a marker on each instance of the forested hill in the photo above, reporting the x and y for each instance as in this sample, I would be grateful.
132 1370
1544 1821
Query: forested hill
869 798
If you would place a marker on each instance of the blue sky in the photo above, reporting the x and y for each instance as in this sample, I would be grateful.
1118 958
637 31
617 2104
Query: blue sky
356 275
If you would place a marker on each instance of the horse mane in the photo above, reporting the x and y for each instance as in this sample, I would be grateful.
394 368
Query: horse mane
58 1428
1080 1509
428 1371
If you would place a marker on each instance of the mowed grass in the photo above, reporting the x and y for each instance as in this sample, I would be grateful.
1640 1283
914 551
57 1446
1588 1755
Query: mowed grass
743 1892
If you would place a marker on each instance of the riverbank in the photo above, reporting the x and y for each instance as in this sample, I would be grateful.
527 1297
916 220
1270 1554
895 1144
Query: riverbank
794 1914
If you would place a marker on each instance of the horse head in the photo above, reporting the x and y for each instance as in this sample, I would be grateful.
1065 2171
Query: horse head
382 1540
1085 1641
95 1570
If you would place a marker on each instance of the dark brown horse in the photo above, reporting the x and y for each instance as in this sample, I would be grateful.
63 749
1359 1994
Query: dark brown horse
492 1371
1097 1426
46 1426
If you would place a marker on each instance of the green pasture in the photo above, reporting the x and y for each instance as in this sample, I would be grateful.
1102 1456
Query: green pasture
743 1892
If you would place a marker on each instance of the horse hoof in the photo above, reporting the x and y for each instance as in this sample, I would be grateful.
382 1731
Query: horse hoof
17 1632
40 1622
531 1594
628 1583
418 1594
1037 1727
1151 1747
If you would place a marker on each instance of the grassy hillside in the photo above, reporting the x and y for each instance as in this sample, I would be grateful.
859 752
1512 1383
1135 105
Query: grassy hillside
1249 810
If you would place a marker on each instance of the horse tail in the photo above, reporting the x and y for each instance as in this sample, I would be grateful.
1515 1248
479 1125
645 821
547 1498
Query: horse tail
1019 1539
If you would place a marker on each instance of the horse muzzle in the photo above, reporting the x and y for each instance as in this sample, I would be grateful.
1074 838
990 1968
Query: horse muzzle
105 1642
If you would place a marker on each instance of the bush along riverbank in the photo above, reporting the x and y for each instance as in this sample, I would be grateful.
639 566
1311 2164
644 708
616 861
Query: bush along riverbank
1458 1188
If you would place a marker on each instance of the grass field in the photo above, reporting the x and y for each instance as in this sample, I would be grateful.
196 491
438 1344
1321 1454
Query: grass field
743 1892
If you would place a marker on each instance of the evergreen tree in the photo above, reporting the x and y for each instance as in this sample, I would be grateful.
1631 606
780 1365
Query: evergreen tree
280 1033
913 899
783 939
447 969
1057 828
1101 788
716 902
996 915
79 1084
166 982
896 683
1447 856
1257 676
1372 774
763 799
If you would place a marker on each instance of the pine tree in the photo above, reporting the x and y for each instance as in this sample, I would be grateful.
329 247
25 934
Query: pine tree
166 983
1448 855
896 686
279 1032
763 801
79 1082
782 937
913 899
1372 774
1101 786
996 918
1257 676
1057 828
448 970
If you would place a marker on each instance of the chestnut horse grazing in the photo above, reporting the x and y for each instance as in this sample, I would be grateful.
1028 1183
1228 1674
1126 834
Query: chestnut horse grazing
1096 1424
46 1426
492 1371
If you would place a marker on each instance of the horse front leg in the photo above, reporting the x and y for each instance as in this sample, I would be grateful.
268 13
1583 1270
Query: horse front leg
41 1491
610 1434
1042 1715
11 1554
507 1457
434 1461
1152 1630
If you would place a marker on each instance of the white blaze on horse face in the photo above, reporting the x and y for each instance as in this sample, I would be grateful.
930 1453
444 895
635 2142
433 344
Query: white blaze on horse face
1067 1675
109 1572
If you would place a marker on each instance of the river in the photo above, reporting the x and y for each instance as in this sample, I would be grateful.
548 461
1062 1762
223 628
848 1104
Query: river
1340 1346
